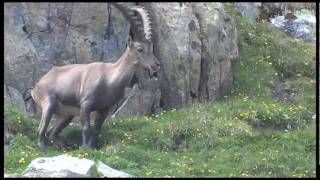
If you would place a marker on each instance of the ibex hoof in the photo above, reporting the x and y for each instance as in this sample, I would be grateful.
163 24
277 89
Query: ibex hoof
59 143
86 147
43 146
93 142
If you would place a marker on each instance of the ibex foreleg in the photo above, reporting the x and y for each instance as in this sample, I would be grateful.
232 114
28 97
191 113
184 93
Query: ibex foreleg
98 122
85 123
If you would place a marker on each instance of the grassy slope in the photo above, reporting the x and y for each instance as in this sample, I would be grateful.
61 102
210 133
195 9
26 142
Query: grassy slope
242 135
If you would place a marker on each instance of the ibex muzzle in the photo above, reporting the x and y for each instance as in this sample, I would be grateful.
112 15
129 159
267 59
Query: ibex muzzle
146 62
80 89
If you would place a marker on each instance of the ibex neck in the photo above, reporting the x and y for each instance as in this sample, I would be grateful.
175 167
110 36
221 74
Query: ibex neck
123 69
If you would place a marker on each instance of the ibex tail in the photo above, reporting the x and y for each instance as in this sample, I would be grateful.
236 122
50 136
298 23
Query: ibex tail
29 98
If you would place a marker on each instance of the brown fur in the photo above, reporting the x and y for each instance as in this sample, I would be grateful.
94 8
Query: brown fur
80 89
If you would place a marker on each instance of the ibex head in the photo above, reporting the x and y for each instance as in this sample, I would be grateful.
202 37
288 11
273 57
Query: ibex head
141 46
144 58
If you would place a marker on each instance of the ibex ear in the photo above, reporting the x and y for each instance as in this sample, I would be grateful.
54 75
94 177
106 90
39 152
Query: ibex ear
129 42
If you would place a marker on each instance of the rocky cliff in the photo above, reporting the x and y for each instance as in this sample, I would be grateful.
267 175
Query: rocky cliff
196 44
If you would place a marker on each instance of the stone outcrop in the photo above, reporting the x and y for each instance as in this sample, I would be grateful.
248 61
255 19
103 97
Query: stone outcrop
13 95
59 166
67 166
302 25
196 44
106 171
260 11
249 10
297 22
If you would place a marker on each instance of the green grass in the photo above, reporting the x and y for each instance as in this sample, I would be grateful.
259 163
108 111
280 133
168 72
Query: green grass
252 132
204 140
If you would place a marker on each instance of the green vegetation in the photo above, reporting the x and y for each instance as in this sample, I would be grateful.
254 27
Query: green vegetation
256 131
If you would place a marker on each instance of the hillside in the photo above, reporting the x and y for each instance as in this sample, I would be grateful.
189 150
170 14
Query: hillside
264 128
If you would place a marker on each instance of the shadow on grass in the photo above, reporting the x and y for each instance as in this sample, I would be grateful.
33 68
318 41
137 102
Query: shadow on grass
73 139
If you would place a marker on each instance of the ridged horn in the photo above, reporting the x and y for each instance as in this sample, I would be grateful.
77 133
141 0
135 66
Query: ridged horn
146 21
137 28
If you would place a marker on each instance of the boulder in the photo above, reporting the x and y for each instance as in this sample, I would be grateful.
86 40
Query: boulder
67 166
302 26
196 44
106 171
59 166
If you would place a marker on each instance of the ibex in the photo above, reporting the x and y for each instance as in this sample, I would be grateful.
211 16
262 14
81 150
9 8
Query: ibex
79 89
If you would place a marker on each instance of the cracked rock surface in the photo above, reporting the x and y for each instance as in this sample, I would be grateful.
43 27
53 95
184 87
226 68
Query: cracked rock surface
196 44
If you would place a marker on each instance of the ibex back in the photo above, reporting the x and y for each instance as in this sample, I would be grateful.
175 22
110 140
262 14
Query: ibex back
80 89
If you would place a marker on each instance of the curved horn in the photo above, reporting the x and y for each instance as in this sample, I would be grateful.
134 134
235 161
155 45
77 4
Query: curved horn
129 14
146 21
140 31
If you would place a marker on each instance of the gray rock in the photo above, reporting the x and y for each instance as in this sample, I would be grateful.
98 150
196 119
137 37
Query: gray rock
179 53
5 91
196 44
249 10
142 101
15 98
106 171
219 51
303 27
20 54
59 166
259 11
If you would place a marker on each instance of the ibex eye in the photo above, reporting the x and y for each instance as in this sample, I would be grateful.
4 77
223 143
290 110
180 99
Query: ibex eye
140 49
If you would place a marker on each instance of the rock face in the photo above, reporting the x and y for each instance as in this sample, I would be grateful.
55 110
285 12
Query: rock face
249 10
259 11
298 24
59 166
106 171
196 44
14 96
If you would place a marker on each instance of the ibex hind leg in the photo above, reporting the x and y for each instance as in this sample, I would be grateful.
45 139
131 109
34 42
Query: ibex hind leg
57 128
47 111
